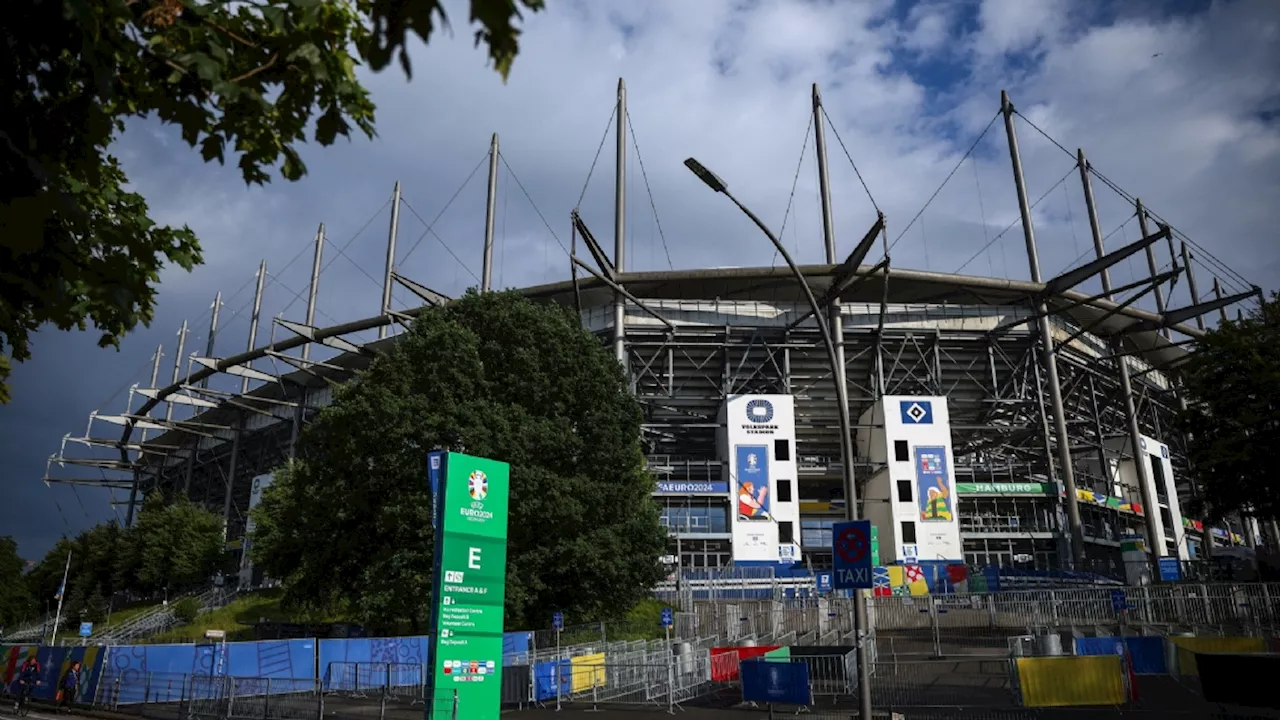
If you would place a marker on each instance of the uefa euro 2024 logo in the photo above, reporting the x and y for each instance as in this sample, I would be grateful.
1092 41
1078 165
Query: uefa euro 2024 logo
478 485
753 462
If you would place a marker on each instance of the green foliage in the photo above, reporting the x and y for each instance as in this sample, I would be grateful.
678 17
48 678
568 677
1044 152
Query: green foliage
186 610
15 600
1233 417
172 546
249 80
493 375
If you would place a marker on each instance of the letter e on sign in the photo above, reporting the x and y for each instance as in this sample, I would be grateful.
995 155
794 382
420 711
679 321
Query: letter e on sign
473 558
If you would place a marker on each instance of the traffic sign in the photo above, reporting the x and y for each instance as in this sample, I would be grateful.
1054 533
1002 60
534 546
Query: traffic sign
86 629
851 554
824 582
557 620
1119 601
668 618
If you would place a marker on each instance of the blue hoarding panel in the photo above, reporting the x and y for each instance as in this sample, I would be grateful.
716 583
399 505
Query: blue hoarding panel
775 682
1146 654
851 554
1170 569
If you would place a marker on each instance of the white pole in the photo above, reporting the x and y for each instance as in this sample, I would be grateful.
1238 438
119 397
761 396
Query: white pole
557 666
62 592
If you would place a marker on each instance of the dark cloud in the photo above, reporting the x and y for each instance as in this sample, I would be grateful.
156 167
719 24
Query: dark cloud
1170 106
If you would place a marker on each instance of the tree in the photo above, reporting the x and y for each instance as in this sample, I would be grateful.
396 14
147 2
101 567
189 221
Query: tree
493 375
15 600
1233 417
77 248
180 545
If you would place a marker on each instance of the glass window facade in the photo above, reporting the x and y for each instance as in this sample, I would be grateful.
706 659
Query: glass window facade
695 514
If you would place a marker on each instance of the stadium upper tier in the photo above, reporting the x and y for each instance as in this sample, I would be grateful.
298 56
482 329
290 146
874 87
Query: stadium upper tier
772 287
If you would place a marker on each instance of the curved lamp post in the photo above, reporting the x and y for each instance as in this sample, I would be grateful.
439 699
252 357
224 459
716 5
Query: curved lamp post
714 182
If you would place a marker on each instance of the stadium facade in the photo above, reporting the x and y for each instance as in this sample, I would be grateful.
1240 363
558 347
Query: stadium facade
995 421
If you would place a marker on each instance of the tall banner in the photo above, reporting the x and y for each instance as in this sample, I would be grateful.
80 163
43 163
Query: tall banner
933 484
469 586
752 465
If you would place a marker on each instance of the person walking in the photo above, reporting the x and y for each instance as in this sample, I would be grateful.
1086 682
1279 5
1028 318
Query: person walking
70 686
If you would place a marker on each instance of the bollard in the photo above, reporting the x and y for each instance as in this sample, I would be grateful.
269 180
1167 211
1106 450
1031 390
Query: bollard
266 699
454 713
115 700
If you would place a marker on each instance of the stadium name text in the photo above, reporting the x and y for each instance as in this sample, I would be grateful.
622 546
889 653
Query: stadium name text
668 487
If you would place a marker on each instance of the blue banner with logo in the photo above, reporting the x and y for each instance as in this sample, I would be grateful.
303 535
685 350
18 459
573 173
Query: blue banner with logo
683 487
752 479
934 492
775 682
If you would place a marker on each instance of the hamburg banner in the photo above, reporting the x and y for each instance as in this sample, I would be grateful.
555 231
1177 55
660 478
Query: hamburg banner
752 465
469 589
933 484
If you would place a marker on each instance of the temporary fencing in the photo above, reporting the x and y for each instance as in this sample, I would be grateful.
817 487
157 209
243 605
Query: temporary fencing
211 697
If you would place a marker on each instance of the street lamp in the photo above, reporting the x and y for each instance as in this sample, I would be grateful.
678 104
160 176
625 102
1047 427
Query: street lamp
714 182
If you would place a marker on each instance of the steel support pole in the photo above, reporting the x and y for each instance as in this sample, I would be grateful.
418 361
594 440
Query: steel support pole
1217 295
1207 541
1151 260
1155 535
253 321
391 257
1094 225
1192 285
137 474
835 324
1048 357
231 475
314 289
491 201
177 367
620 225
208 352
1155 531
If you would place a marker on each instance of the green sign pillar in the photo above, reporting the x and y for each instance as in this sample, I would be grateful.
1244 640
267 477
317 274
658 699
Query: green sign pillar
470 499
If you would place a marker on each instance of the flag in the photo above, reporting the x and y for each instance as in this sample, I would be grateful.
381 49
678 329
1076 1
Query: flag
61 588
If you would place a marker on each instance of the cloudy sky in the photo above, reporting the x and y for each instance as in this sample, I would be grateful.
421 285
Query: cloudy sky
1177 103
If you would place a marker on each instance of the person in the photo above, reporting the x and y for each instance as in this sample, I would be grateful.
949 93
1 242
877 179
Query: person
28 679
70 686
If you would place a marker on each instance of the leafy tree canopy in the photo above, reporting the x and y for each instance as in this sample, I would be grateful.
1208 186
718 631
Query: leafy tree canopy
174 546
493 375
247 79
15 601
1233 417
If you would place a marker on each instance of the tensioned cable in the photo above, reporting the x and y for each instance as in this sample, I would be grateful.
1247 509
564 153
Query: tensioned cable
804 147
652 205
945 181
597 159
1105 238
534 204
1133 201
849 157
1015 222
430 226
443 244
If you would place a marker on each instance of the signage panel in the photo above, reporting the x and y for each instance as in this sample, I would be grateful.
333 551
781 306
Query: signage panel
933 484
752 464
682 487
1011 488
469 588
851 554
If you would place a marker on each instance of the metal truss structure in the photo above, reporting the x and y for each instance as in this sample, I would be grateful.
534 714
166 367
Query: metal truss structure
1041 379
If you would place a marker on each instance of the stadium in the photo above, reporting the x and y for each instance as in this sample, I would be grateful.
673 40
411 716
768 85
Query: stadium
994 422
